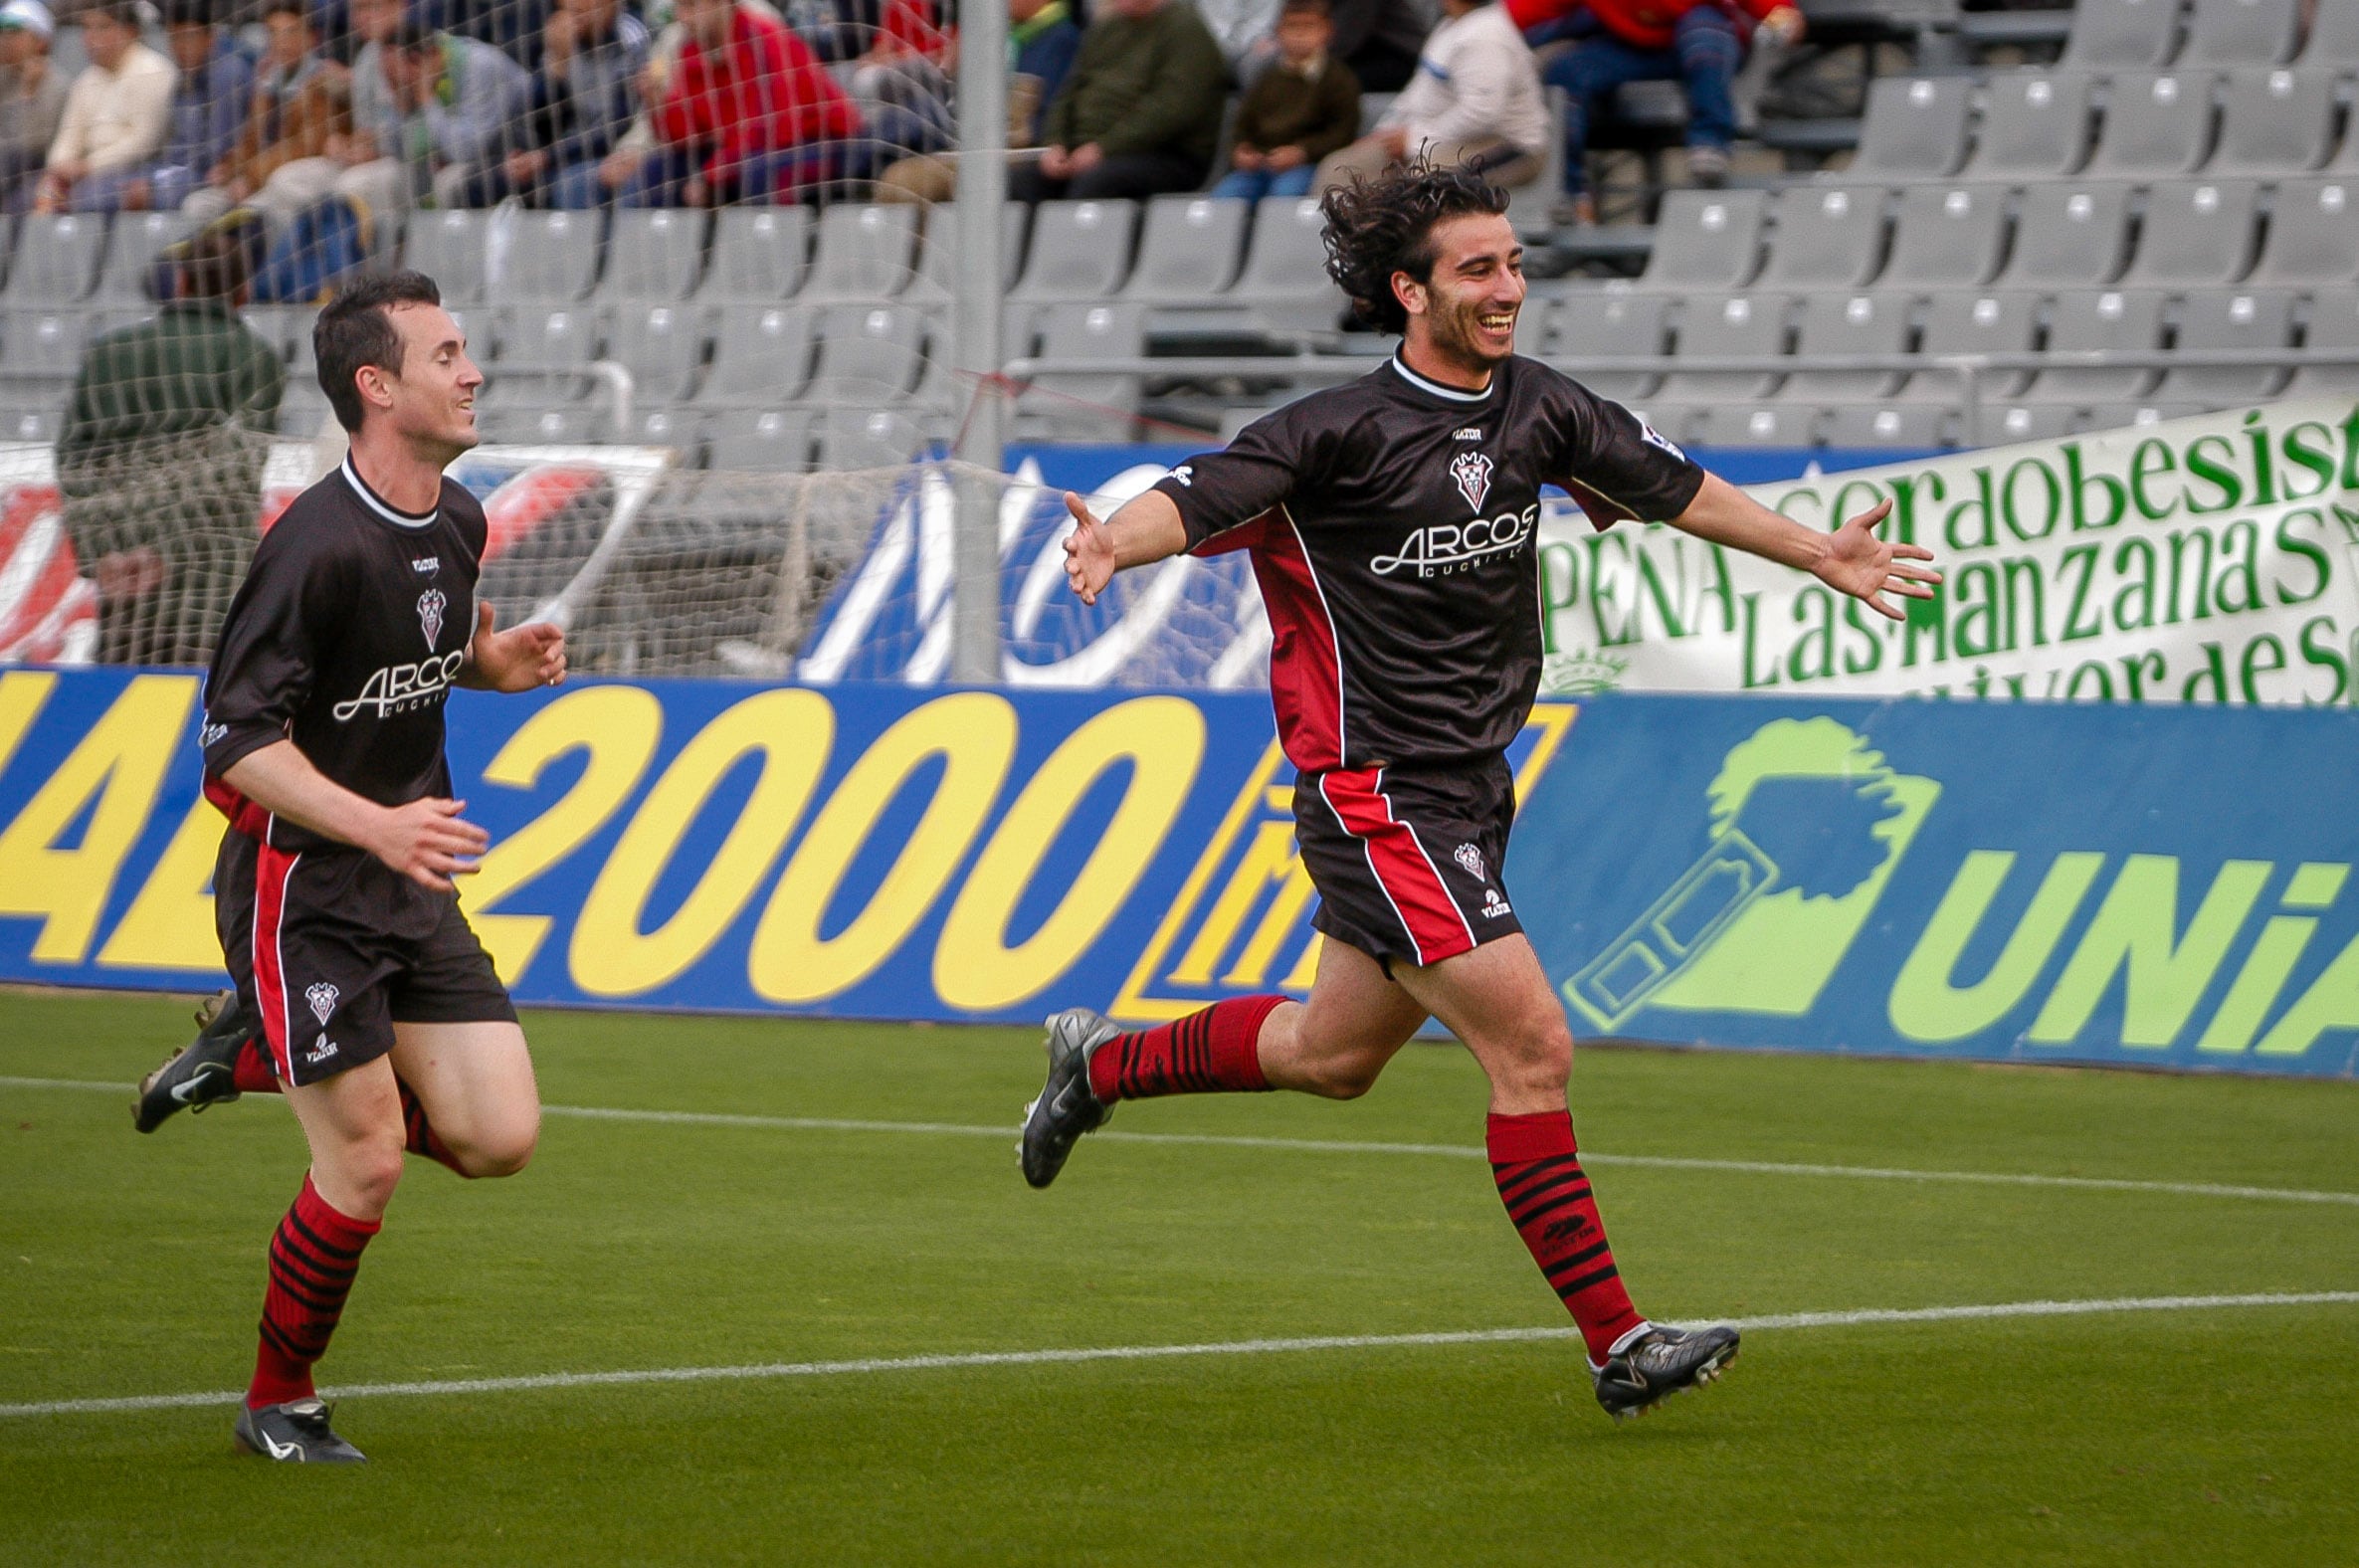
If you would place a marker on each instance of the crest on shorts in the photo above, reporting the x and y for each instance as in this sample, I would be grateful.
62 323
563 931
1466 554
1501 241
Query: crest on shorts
431 605
322 998
1470 471
1471 859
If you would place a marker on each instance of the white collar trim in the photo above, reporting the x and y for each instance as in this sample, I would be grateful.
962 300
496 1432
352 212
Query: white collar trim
1454 394
378 504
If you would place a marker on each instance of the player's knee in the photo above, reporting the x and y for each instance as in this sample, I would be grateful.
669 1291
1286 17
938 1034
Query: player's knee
504 1148
1543 1061
368 1169
1344 1076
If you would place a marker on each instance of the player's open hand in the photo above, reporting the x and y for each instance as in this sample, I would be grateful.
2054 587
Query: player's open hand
1088 551
1859 563
519 658
428 842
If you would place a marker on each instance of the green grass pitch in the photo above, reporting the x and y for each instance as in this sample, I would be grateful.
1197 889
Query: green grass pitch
133 1266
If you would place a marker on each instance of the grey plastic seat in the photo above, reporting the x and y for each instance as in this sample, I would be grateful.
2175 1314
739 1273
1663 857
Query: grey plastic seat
1080 249
1284 280
1617 325
1726 325
447 246
1860 324
304 411
57 261
2103 417
1190 248
2244 32
38 422
941 253
679 428
2253 319
2158 124
866 251
2274 122
131 250
1084 407
2313 234
2335 323
2335 37
2086 320
1972 323
1947 237
868 438
870 356
1742 425
761 355
2036 124
653 253
2012 422
536 335
541 256
1830 237
1706 239
660 345
2197 232
2068 235
1916 126
556 425
1872 425
287 328
766 439
2122 32
759 254
43 345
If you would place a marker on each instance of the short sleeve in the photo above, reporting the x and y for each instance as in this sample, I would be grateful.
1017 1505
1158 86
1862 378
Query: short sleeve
267 656
1271 458
1612 461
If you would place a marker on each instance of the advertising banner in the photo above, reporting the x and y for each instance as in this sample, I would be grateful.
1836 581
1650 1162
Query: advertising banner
2013 881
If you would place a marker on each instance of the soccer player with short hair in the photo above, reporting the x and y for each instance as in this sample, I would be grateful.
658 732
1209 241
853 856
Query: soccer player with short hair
380 1017
1392 526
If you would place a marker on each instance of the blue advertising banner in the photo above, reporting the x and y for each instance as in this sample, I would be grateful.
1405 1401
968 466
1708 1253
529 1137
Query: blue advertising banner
1995 881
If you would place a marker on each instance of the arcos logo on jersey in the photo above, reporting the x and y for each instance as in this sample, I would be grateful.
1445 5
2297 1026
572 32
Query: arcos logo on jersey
1450 546
397 688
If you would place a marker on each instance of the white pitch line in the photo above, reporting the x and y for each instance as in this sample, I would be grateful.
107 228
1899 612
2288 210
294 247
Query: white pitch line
714 1118
970 1360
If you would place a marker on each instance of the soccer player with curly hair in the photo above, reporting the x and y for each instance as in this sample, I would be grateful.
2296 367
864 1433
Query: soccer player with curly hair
1392 523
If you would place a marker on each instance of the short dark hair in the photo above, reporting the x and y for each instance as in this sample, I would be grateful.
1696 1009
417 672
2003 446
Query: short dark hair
214 266
415 34
189 13
356 331
122 13
1383 225
1318 8
302 8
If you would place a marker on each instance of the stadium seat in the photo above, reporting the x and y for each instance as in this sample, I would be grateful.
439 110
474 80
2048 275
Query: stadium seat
1189 250
447 246
304 411
654 253
2068 235
532 340
1726 325
44 346
869 356
2009 422
550 256
2158 123
939 255
2036 124
2244 32
866 251
2333 324
761 355
131 251
40 423
1972 323
1706 241
2274 122
1860 324
1885 425
2334 39
2196 232
1746 425
766 439
682 429
57 261
1824 237
1947 237
1080 249
1620 324
758 254
2109 33
2255 319
2313 234
287 328
2086 320
1071 406
1285 280
662 347
525 425
868 438
1916 126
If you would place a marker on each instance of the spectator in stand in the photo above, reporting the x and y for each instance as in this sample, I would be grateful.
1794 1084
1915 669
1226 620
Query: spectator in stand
516 28
1244 30
454 103
1380 39
1477 96
1140 113
583 102
32 95
742 113
116 115
1697 42
297 109
1042 41
208 105
902 84
1301 108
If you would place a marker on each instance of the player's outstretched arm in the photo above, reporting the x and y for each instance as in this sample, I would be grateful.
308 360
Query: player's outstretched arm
1145 529
426 841
1851 560
516 660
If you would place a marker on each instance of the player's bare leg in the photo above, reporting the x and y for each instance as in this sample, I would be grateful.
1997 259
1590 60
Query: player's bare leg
1496 997
467 1094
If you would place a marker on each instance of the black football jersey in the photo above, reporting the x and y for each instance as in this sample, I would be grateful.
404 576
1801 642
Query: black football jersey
344 638
1393 525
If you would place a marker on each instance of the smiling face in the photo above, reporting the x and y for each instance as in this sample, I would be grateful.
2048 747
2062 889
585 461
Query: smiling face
1463 317
430 402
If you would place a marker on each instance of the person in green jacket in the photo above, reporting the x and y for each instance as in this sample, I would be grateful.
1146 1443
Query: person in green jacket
1140 114
162 459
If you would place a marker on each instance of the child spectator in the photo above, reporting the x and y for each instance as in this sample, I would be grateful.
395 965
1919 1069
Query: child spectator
1301 108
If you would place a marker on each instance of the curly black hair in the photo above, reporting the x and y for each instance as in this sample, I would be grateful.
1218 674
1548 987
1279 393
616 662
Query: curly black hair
1385 225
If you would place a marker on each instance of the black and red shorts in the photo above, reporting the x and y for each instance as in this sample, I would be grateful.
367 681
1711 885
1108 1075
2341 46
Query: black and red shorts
331 947
1409 863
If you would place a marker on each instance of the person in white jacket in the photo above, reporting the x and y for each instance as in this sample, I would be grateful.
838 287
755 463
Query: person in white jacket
118 113
1476 95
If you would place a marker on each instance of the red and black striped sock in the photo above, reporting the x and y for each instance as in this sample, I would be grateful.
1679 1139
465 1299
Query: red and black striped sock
418 1136
1208 1052
251 1069
312 1261
1539 1170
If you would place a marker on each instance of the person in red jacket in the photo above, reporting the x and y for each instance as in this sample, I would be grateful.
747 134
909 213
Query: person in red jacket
1697 42
747 113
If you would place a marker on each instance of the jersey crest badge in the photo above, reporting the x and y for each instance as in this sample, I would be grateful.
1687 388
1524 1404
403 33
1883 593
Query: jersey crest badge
1654 437
1471 471
1471 859
322 998
431 605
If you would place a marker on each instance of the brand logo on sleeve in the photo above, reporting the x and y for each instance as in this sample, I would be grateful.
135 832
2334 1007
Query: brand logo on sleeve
1471 473
1654 437
431 605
